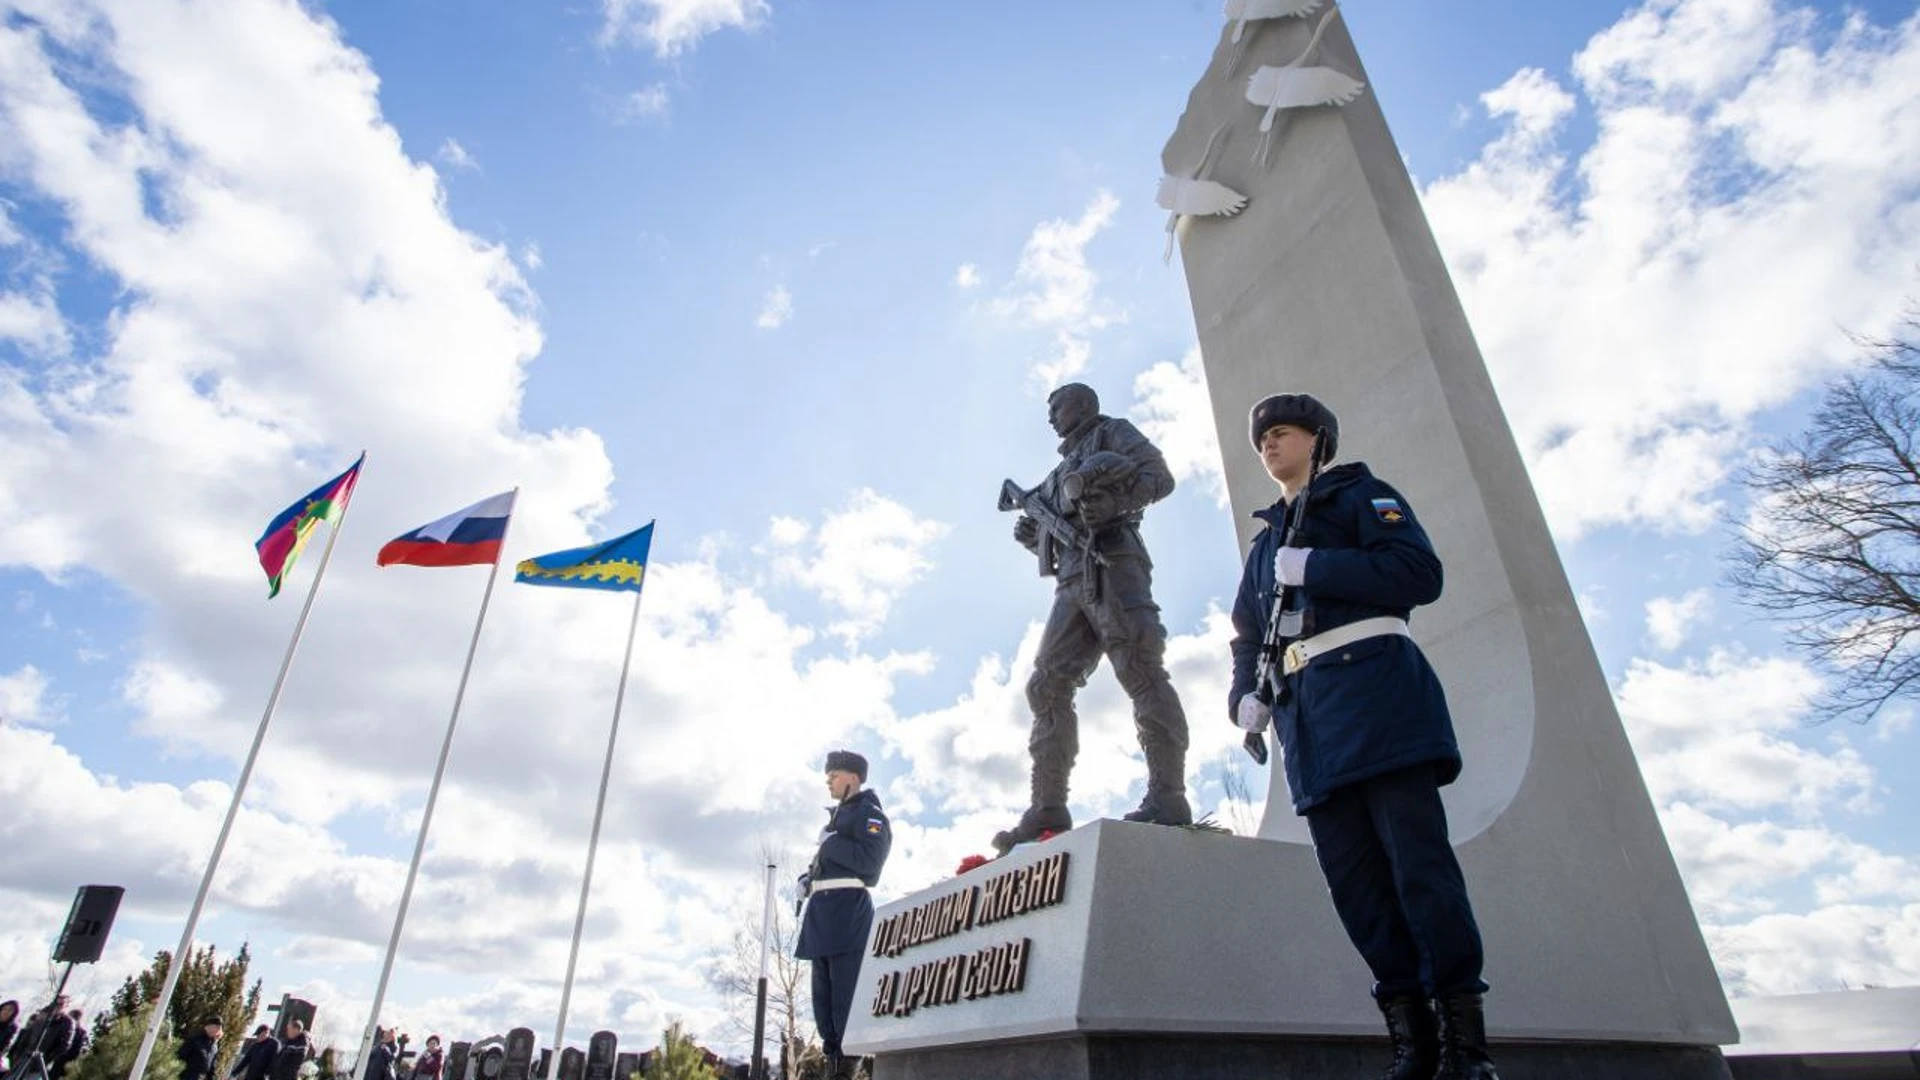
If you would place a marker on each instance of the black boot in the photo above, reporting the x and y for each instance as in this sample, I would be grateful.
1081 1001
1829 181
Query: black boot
1415 1035
1037 820
1463 1040
1166 799
1162 808
839 1068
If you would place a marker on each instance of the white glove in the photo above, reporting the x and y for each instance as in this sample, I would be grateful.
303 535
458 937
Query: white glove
1253 714
1290 565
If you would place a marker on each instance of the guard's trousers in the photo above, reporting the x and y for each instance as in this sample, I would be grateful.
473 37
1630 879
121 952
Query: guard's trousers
1123 624
833 979
1382 844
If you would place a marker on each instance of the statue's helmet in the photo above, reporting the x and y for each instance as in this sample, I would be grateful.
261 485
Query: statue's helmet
1301 410
1078 390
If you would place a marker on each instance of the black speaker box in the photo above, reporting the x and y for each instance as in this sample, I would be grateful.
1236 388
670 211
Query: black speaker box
85 935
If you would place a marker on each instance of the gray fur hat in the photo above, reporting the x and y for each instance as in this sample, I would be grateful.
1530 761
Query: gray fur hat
847 761
1301 410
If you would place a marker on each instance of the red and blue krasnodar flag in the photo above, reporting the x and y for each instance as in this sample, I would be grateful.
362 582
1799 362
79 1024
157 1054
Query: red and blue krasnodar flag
467 537
287 534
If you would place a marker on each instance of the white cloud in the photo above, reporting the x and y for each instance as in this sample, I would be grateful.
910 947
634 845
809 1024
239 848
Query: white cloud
860 558
787 531
530 257
967 277
29 314
1838 947
649 103
23 697
1592 608
1714 732
776 309
1749 192
1716 741
1054 287
455 155
1671 618
168 698
34 321
672 27
1174 410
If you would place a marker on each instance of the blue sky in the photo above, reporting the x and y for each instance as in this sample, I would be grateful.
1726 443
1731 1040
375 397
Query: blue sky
781 276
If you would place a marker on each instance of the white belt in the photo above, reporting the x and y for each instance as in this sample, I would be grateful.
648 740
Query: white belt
1301 653
836 883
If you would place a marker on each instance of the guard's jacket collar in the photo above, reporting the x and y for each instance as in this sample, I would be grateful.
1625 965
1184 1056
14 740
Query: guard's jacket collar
1331 480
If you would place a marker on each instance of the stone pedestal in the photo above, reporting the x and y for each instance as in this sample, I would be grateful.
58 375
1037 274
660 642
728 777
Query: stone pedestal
1141 1057
1123 950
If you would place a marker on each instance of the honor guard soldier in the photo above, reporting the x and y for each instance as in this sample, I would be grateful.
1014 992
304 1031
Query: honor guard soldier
838 913
1364 725
1083 523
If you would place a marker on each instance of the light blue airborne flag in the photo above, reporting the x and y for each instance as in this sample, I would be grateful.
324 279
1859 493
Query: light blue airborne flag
616 565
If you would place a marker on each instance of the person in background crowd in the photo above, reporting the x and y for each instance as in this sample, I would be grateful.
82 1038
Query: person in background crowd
428 1067
57 1067
380 1064
198 1052
256 1057
238 1070
293 1052
54 1033
9 1027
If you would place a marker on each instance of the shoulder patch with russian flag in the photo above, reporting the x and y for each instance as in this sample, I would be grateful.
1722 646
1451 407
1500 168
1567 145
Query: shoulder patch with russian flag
1389 511
875 826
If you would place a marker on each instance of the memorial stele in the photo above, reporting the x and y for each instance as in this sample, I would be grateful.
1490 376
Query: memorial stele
1123 950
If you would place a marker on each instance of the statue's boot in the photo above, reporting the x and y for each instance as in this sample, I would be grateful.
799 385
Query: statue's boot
1166 799
1463 1039
1414 1033
1037 821
1047 813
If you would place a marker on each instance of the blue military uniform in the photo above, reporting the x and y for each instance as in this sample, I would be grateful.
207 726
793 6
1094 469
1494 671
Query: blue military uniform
839 912
1367 737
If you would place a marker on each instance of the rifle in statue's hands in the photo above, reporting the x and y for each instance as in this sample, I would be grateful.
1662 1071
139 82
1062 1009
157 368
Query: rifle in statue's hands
1055 527
1282 624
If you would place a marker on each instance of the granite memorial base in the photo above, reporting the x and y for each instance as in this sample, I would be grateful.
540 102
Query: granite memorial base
1120 950
1142 1057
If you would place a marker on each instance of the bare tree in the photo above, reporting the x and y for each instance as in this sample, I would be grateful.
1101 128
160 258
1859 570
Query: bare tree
1831 544
734 970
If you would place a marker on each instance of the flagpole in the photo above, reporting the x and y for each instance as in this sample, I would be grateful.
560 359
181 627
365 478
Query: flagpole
433 796
593 838
758 1067
233 808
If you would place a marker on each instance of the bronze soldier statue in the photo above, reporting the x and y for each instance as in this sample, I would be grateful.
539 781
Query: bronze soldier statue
1083 524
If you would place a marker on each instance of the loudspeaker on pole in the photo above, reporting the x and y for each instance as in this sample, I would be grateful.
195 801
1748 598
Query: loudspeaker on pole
85 936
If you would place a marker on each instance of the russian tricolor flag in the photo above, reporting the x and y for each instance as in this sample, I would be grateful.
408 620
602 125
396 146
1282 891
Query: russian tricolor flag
463 538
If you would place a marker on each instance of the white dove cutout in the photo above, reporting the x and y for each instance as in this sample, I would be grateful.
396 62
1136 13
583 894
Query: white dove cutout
1183 196
1244 11
1295 86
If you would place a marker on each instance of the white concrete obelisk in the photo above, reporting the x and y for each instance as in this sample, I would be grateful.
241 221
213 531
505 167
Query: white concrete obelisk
1330 282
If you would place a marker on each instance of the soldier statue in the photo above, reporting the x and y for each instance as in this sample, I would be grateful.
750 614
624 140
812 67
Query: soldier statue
1083 524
